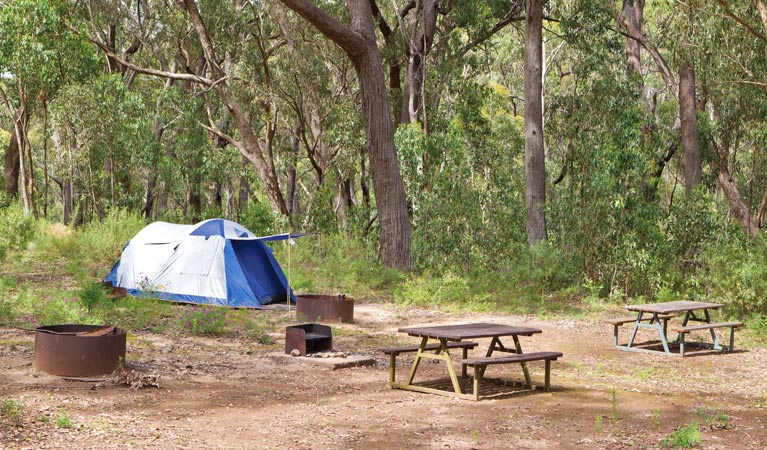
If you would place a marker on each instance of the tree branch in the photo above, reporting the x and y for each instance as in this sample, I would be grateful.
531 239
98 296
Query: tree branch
748 27
633 33
509 18
350 41
158 73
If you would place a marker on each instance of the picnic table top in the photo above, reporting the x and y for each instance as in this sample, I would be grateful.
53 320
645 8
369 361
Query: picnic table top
469 331
671 307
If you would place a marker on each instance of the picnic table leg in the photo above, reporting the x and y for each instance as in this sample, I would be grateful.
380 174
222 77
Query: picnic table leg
494 344
681 344
465 355
634 331
528 380
392 366
449 363
732 339
661 332
477 377
417 359
713 334
547 381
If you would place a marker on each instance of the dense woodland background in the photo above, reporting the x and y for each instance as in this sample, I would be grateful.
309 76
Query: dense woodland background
650 181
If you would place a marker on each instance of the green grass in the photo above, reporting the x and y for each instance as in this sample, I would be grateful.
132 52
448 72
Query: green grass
11 410
686 436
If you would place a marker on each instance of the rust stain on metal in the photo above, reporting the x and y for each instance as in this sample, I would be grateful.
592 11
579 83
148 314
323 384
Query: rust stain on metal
68 350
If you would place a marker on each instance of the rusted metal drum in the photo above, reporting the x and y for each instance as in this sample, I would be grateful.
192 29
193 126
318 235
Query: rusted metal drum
65 350
326 308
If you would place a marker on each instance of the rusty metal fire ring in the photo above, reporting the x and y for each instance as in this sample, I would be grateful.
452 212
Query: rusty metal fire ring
78 350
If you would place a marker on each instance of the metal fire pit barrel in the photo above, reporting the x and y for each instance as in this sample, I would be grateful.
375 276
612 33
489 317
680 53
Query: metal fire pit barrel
327 308
63 350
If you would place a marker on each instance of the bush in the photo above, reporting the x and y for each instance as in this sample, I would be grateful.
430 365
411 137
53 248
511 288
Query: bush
16 227
10 410
734 272
92 296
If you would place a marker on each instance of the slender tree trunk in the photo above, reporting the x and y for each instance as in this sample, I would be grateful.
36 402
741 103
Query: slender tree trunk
364 181
737 205
244 189
535 169
20 130
45 159
633 11
290 195
11 167
421 40
689 120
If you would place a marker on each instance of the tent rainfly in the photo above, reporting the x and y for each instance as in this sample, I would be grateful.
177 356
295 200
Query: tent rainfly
215 262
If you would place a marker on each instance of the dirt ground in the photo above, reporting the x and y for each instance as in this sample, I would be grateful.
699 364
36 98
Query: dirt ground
219 393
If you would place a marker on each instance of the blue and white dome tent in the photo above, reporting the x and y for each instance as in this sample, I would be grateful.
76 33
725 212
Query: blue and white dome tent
215 262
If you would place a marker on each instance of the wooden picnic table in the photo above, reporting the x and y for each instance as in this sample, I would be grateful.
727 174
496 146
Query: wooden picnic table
456 333
659 313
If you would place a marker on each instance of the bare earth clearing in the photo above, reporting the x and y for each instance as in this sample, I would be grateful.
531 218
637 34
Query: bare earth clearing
222 393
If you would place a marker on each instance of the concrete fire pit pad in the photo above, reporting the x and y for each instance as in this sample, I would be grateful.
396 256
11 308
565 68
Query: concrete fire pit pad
332 363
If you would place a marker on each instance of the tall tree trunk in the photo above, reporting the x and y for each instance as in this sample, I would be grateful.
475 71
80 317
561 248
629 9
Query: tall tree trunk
689 119
535 168
358 41
11 167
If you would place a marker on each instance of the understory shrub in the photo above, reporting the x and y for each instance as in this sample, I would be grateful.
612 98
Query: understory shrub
734 272
16 227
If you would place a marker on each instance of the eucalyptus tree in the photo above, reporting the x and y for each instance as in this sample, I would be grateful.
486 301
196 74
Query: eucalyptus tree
38 54
358 41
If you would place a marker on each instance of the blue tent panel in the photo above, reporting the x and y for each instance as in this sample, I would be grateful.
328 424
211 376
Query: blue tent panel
262 272
213 227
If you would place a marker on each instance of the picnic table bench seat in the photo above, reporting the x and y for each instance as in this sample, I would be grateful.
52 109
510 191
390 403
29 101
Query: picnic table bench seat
708 326
624 320
393 352
479 365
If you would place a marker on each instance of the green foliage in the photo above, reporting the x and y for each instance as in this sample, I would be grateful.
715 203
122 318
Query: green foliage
91 251
334 263
251 325
686 436
63 420
260 219
734 271
11 410
203 320
712 418
16 228
92 296
7 310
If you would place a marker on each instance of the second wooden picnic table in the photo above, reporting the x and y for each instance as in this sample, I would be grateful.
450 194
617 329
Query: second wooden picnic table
661 312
